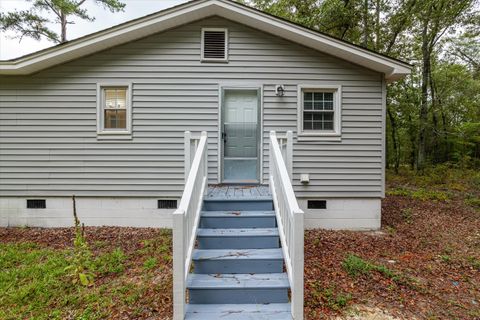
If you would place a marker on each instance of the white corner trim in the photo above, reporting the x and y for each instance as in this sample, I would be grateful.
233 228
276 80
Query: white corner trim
194 11
113 134
336 135
203 59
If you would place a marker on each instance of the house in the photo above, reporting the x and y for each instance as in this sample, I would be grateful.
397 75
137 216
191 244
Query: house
124 117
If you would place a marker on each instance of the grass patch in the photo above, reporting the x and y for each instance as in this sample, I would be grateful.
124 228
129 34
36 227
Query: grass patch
420 194
329 297
110 262
150 263
36 282
356 266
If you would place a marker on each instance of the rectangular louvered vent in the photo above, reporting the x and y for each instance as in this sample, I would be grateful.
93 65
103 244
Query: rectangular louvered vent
214 44
167 204
36 204
317 204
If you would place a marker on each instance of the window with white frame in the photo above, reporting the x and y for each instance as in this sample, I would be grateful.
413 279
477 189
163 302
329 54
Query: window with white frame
114 109
319 111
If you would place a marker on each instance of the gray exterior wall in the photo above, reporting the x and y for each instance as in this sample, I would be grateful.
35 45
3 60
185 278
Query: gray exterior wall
48 139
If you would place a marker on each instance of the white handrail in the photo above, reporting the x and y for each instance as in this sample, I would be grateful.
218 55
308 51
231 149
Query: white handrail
185 222
289 221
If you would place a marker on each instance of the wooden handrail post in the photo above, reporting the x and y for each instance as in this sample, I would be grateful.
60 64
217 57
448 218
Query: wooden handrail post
289 154
178 266
188 148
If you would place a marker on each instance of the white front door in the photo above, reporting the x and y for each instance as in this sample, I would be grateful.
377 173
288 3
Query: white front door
240 135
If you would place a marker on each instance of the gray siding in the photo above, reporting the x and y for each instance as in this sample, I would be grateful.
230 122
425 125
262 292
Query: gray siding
48 140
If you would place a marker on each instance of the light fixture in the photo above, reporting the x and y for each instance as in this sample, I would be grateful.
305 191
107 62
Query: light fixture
279 90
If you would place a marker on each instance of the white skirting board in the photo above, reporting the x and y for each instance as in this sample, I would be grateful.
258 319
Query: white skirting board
340 214
123 212
344 214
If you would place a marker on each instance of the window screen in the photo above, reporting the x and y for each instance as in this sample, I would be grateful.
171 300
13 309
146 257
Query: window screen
115 108
318 111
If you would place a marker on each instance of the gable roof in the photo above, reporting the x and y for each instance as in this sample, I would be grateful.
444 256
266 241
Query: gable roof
195 10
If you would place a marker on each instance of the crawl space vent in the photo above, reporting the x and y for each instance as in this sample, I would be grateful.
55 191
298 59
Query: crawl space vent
167 204
36 203
317 204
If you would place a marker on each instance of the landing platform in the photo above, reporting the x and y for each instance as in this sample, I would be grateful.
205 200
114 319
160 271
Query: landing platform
238 192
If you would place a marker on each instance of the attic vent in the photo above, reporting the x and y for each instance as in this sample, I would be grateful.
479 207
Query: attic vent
36 203
214 44
167 204
317 204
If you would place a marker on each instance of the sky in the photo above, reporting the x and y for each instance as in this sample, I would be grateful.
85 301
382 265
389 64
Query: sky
12 48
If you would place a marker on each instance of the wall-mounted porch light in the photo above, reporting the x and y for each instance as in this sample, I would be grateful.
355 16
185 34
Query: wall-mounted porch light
279 90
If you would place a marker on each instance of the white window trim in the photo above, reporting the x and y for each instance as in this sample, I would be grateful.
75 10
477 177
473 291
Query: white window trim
203 59
319 135
113 134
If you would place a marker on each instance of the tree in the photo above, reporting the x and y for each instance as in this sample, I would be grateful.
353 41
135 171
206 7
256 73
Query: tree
32 23
435 18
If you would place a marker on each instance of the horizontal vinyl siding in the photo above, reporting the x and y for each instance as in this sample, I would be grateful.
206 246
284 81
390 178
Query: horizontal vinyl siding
48 140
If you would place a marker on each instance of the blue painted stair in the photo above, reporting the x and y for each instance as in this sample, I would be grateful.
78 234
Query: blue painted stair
238 267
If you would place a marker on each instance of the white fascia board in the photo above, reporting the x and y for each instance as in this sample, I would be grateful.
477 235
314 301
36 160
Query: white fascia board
197 10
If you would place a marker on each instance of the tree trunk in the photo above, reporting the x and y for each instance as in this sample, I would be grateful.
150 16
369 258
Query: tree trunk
63 21
396 149
413 141
421 158
435 138
446 147
377 25
365 24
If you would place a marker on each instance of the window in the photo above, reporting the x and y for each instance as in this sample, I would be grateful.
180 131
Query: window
114 110
319 112
214 44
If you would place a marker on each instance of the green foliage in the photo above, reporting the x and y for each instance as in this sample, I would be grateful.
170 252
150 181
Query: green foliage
355 266
433 115
328 297
150 263
29 277
420 194
35 22
110 262
36 283
81 267
473 202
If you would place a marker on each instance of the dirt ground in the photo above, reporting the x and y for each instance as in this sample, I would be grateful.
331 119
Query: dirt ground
423 264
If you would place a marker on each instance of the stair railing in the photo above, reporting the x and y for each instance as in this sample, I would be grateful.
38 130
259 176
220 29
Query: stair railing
289 221
185 222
